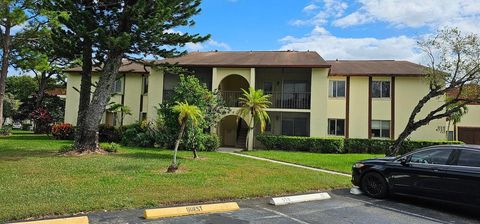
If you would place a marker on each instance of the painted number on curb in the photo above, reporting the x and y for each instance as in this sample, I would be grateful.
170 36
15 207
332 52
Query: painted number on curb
193 209
286 200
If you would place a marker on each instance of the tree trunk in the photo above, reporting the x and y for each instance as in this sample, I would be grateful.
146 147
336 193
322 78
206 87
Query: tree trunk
83 137
177 143
4 70
42 85
101 96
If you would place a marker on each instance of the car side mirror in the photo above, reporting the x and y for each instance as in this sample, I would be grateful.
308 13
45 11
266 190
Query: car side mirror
403 161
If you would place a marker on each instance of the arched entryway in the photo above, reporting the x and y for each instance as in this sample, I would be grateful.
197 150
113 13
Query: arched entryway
231 89
232 131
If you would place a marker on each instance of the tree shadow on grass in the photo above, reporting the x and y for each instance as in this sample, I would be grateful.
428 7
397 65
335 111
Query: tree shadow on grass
147 155
16 154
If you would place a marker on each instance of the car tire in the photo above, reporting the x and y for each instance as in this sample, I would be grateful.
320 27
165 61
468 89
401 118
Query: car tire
374 185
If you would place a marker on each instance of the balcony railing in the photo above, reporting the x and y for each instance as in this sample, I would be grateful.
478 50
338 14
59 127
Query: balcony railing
287 100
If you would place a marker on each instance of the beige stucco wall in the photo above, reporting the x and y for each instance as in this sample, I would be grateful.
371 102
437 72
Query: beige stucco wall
472 118
358 107
133 91
318 107
336 105
155 93
220 73
408 92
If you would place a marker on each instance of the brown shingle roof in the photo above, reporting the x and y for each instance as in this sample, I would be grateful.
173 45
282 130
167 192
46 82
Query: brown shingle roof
251 59
375 67
127 66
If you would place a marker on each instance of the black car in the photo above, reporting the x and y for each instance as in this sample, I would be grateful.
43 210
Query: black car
446 172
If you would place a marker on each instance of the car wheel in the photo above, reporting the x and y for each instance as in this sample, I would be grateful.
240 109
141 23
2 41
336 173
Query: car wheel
374 185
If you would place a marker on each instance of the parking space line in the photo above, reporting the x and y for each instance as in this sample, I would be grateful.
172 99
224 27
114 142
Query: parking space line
397 210
284 215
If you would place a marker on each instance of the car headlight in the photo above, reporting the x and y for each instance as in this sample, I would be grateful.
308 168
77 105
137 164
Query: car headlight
358 165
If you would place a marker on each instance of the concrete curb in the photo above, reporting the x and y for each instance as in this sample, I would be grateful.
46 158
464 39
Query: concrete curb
190 210
299 198
289 164
72 220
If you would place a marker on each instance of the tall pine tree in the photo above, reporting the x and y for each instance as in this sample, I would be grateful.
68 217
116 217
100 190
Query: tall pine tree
115 30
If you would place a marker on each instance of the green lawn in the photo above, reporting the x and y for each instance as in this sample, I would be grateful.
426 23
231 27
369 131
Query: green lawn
35 181
336 162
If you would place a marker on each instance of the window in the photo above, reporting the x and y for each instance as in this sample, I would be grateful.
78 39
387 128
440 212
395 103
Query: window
336 127
381 89
337 88
268 87
469 158
145 84
117 85
432 156
143 116
294 127
381 129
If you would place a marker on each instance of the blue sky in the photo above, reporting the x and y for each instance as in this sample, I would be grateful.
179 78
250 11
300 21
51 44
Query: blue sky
361 29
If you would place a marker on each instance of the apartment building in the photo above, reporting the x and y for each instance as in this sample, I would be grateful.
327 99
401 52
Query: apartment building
309 96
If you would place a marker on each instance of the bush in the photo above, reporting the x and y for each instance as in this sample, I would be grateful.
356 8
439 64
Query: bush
209 142
340 145
107 133
63 131
66 148
377 146
5 130
110 147
140 135
26 127
306 144
42 120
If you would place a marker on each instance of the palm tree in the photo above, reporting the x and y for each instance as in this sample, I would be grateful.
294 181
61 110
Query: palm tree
186 113
253 106
122 109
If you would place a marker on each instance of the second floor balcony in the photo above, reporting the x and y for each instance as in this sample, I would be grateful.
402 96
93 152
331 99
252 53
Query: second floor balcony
284 100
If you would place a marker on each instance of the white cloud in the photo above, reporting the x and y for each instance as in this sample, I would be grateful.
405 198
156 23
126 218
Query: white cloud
310 7
330 8
221 45
413 13
332 47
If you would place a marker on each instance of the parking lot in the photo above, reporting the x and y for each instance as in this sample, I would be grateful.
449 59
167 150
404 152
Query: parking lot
341 208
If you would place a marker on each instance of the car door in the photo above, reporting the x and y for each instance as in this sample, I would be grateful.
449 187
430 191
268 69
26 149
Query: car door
463 178
423 172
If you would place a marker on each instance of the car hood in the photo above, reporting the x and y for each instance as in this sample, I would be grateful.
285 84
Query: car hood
379 160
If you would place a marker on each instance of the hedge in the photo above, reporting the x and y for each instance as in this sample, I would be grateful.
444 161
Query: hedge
377 146
340 145
306 144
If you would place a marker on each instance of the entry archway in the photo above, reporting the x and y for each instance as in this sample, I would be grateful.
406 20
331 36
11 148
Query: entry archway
231 89
232 131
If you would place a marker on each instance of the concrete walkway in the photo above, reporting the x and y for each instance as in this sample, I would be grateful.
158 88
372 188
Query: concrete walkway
287 164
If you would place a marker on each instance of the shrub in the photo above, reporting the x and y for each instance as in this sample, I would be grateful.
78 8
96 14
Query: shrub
209 142
66 148
306 144
42 119
5 130
339 145
63 131
110 147
140 135
356 145
26 127
107 133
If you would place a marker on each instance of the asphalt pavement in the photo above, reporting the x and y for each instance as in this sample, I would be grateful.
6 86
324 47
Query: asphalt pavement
343 207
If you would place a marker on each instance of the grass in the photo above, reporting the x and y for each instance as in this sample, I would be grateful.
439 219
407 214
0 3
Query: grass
336 162
36 181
